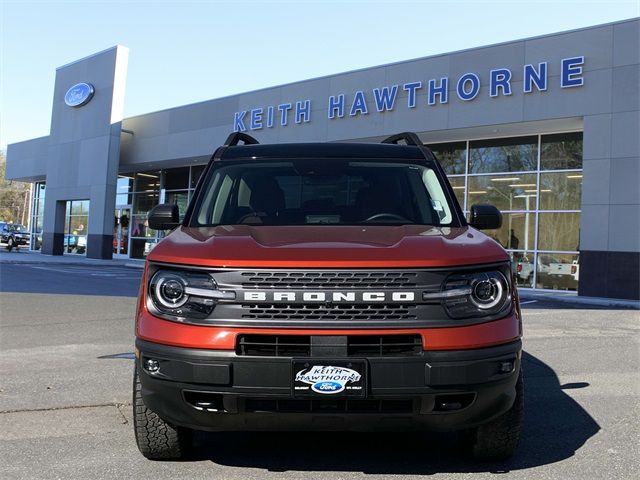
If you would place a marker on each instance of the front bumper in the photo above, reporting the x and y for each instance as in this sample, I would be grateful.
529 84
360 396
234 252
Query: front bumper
220 391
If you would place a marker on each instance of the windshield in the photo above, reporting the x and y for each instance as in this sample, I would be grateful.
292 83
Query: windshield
322 191
17 228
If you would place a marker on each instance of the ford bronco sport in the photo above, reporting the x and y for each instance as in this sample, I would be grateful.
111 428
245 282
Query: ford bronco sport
332 286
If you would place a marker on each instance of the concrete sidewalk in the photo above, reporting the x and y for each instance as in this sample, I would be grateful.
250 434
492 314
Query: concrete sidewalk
26 256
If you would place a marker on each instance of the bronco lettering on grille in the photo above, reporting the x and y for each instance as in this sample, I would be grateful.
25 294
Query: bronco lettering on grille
324 297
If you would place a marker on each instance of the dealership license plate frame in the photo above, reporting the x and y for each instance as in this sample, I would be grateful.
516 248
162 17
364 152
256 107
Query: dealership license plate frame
359 365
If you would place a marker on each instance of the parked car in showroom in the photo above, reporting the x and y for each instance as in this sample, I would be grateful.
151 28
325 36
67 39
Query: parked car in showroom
13 235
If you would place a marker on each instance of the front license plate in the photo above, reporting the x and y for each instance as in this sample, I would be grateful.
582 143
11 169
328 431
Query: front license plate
338 378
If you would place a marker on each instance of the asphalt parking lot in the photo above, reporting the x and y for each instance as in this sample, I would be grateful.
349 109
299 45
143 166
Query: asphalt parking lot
66 342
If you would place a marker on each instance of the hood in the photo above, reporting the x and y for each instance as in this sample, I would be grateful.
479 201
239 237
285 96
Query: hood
326 246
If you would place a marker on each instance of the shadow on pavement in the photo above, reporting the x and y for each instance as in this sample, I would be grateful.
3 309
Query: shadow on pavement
555 428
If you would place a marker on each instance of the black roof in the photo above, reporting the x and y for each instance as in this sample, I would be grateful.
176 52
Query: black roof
323 150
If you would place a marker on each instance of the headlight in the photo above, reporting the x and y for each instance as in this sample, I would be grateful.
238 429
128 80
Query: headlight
481 294
183 295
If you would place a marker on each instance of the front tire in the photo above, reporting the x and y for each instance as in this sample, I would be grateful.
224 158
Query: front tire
157 439
10 244
498 439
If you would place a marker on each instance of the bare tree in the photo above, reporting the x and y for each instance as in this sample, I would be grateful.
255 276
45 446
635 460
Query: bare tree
14 197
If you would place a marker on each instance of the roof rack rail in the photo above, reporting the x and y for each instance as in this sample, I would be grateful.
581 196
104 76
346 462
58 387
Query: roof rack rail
410 138
238 137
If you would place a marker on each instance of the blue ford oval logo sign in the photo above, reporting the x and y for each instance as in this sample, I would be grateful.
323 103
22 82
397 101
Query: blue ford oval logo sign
327 387
78 95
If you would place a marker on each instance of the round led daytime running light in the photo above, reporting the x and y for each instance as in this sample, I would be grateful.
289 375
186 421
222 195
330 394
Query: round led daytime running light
486 293
170 291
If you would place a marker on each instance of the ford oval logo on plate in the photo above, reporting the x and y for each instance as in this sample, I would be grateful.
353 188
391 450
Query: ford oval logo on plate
78 95
327 387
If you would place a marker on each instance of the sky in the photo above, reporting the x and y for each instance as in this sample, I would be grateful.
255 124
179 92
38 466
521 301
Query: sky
189 51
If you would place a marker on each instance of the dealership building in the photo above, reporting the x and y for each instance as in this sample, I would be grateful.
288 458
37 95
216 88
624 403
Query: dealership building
545 128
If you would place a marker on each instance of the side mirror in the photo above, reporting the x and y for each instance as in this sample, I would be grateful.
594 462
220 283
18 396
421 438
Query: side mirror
164 217
485 217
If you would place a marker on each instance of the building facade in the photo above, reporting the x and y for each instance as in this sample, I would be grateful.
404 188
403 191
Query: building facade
544 128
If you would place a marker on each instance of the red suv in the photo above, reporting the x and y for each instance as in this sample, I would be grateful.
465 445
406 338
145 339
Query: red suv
327 286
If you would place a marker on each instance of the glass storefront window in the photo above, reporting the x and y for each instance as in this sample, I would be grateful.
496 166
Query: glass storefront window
523 265
457 183
79 207
140 247
147 181
75 226
558 271
196 172
517 231
143 202
37 215
178 198
560 191
561 151
123 190
559 231
176 179
506 192
452 156
503 155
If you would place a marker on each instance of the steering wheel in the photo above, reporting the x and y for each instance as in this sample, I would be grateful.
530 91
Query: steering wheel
249 215
390 216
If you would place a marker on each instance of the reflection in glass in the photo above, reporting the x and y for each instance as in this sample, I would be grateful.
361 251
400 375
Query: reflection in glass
176 178
124 188
522 264
561 151
143 202
41 188
141 247
558 271
79 207
517 231
452 156
559 231
196 171
147 181
457 183
178 198
506 192
503 155
140 227
75 226
560 191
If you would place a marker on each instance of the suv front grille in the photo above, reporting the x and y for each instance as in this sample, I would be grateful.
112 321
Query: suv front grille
329 280
273 345
328 405
266 311
383 345
356 345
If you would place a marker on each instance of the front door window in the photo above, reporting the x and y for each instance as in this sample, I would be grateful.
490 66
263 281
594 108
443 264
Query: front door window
75 228
121 231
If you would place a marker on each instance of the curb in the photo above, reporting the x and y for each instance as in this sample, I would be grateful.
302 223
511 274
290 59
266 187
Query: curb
134 265
577 299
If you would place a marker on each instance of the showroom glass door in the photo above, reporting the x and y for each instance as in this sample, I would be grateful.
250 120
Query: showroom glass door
121 231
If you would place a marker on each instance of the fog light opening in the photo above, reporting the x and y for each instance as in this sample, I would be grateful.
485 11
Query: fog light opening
506 367
453 402
150 365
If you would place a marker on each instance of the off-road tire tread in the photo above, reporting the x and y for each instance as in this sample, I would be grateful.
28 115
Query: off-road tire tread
498 439
156 438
